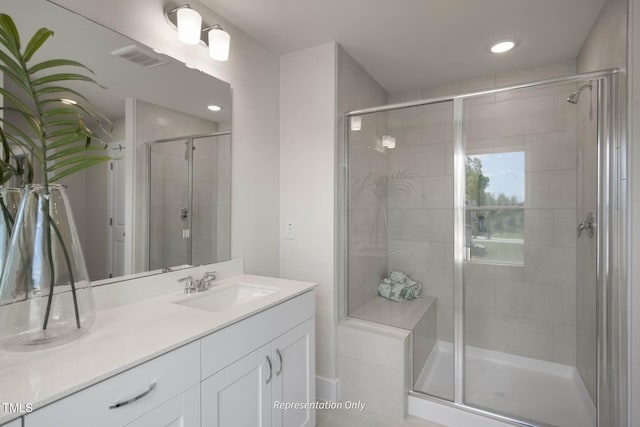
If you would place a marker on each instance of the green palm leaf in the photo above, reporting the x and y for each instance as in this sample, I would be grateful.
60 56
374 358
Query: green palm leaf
57 63
36 42
62 142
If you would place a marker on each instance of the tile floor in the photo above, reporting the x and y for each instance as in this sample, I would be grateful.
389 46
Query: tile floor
353 418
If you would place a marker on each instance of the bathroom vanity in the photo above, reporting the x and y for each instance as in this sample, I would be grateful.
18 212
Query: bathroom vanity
220 357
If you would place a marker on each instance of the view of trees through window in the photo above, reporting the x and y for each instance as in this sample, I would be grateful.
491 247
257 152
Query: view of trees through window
495 206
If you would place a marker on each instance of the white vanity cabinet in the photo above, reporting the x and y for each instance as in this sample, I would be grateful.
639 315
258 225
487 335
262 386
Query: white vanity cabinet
294 375
165 388
230 378
240 394
278 366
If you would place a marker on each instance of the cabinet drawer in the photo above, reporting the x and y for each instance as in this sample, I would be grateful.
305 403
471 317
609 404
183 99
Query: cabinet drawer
171 373
225 346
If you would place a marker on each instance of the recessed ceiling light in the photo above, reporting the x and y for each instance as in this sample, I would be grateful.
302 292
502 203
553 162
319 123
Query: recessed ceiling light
214 107
68 101
503 46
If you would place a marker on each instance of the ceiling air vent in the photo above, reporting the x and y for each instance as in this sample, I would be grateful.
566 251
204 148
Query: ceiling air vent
140 56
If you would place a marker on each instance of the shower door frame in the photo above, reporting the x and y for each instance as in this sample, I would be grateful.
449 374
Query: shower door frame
189 141
611 396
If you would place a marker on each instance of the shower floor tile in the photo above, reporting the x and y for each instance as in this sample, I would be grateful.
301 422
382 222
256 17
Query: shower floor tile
519 387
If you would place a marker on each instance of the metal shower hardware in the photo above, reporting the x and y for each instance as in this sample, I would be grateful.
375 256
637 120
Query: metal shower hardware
588 225
575 96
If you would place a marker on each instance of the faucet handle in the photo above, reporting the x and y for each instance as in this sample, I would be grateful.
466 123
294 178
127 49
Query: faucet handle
205 282
209 275
190 284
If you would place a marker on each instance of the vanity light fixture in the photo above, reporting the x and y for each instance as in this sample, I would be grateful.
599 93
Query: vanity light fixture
356 123
214 108
219 42
503 46
388 141
188 22
68 101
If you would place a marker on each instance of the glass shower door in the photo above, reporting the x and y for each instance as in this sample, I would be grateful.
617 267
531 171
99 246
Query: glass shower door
169 207
529 320
211 220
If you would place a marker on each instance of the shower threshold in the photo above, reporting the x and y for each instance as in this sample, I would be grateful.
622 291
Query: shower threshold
515 386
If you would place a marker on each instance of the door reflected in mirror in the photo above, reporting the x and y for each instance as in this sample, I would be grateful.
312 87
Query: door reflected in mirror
164 201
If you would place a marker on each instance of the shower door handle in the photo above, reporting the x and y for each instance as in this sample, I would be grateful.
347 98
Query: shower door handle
588 225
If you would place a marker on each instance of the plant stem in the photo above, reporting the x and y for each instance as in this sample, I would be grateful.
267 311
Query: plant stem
8 219
47 240
68 262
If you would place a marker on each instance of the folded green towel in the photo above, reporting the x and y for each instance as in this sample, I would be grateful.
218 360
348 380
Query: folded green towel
399 287
398 276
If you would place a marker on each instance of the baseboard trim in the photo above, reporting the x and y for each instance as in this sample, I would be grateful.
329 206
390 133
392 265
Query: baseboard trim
327 389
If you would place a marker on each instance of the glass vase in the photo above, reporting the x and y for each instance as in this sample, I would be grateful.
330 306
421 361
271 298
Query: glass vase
45 292
9 202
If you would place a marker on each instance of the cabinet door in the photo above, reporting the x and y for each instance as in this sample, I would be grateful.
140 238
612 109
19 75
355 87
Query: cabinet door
181 411
240 394
294 379
14 423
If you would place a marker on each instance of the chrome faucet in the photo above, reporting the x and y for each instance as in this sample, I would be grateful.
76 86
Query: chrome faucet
203 284
189 286
207 281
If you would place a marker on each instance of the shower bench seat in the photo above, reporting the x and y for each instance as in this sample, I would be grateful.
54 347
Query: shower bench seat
378 347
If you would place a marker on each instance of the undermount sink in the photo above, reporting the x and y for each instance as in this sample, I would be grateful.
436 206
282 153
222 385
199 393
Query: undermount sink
227 297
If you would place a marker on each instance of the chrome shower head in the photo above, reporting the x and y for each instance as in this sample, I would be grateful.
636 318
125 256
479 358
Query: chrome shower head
575 96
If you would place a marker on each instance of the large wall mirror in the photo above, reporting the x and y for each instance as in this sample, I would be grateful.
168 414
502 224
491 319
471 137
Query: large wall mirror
165 203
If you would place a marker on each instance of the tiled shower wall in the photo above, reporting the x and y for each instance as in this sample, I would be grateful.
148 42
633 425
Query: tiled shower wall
367 216
524 309
529 309
421 220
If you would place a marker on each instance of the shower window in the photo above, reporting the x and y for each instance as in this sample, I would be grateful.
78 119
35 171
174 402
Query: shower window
495 185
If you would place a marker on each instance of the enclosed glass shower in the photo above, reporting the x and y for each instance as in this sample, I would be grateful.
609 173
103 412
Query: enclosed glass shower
499 204
189 181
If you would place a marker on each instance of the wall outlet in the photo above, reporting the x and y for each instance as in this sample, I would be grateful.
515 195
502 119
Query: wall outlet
290 231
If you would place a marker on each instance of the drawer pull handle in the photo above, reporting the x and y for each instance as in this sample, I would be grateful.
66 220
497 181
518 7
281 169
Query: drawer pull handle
279 357
270 370
148 390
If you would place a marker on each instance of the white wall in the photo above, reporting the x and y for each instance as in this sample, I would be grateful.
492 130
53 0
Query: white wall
307 177
253 73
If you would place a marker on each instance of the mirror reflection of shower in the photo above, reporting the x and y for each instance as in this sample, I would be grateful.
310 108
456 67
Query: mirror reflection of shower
189 198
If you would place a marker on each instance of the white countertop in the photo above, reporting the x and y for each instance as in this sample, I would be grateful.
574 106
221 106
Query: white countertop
123 337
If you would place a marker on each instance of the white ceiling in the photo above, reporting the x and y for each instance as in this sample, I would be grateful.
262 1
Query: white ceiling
409 44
